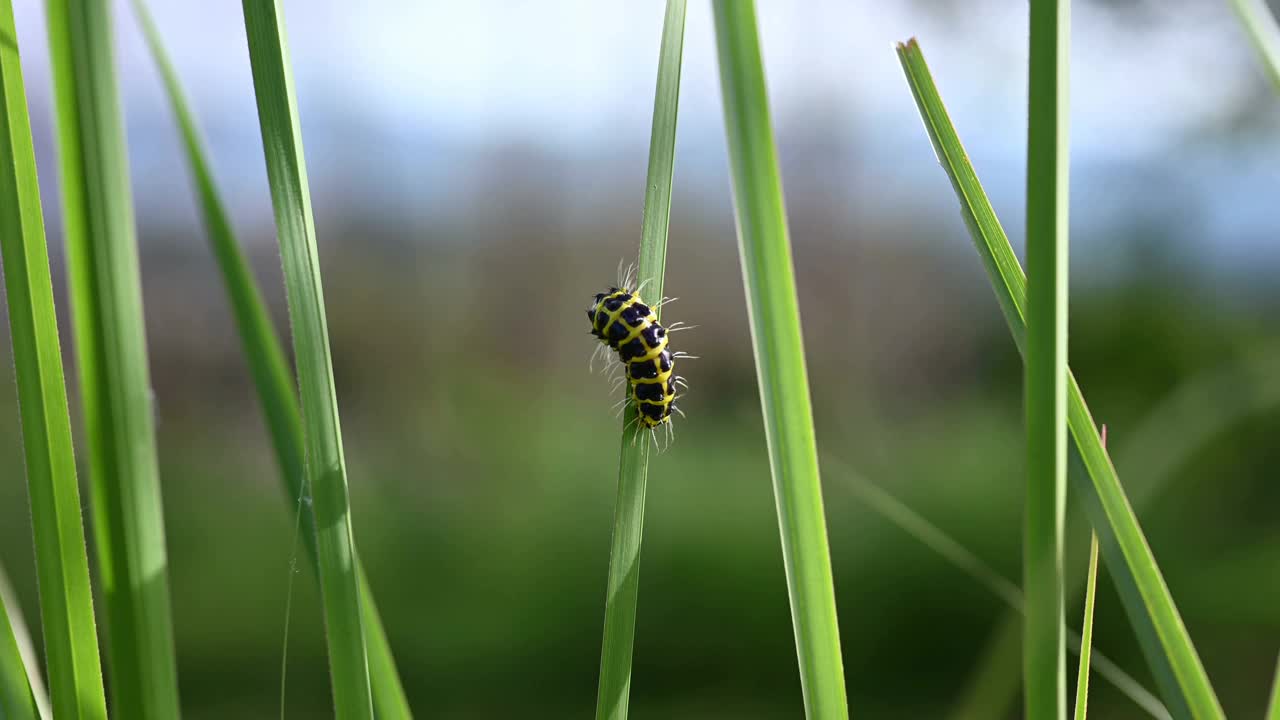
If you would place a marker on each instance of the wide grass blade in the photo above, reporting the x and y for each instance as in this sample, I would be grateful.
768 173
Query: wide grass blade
1263 32
765 249
613 695
62 564
1161 633
16 698
272 377
1086 633
326 471
950 549
1043 656
106 301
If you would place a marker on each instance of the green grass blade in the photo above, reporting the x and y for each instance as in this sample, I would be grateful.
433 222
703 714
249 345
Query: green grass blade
325 465
17 702
1043 657
1143 592
934 538
779 353
66 602
106 300
1172 432
271 374
26 647
1273 707
613 695
1086 634
1263 32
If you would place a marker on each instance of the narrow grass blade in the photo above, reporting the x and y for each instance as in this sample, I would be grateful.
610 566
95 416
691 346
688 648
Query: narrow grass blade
779 353
934 538
613 695
1086 634
272 377
1043 657
1273 707
26 647
66 602
1263 32
16 699
106 300
1143 592
1174 429
325 465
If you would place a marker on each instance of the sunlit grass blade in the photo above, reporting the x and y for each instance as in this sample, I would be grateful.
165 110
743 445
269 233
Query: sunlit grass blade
115 385
1273 706
272 377
1086 634
934 538
66 602
765 250
1172 432
26 646
325 465
1160 631
17 701
1264 32
1043 656
613 695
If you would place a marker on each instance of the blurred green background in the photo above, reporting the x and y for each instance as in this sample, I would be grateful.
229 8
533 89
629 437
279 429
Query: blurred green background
478 172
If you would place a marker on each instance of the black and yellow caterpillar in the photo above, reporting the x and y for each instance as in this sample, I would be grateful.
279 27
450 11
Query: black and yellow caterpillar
623 322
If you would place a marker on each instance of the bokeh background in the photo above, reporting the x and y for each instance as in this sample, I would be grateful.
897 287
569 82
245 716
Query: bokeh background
478 171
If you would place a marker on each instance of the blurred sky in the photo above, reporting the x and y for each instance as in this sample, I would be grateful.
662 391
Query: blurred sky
418 110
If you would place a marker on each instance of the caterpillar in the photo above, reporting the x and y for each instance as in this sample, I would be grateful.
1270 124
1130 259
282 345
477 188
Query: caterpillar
624 323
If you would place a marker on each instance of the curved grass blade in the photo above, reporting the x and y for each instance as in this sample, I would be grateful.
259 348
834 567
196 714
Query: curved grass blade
1143 592
1043 657
768 276
1086 634
326 471
1263 32
17 674
272 377
933 537
106 301
613 695
62 563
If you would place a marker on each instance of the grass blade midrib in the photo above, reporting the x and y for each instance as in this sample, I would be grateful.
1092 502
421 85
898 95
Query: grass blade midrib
617 643
1177 668
66 602
778 348
322 435
272 377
